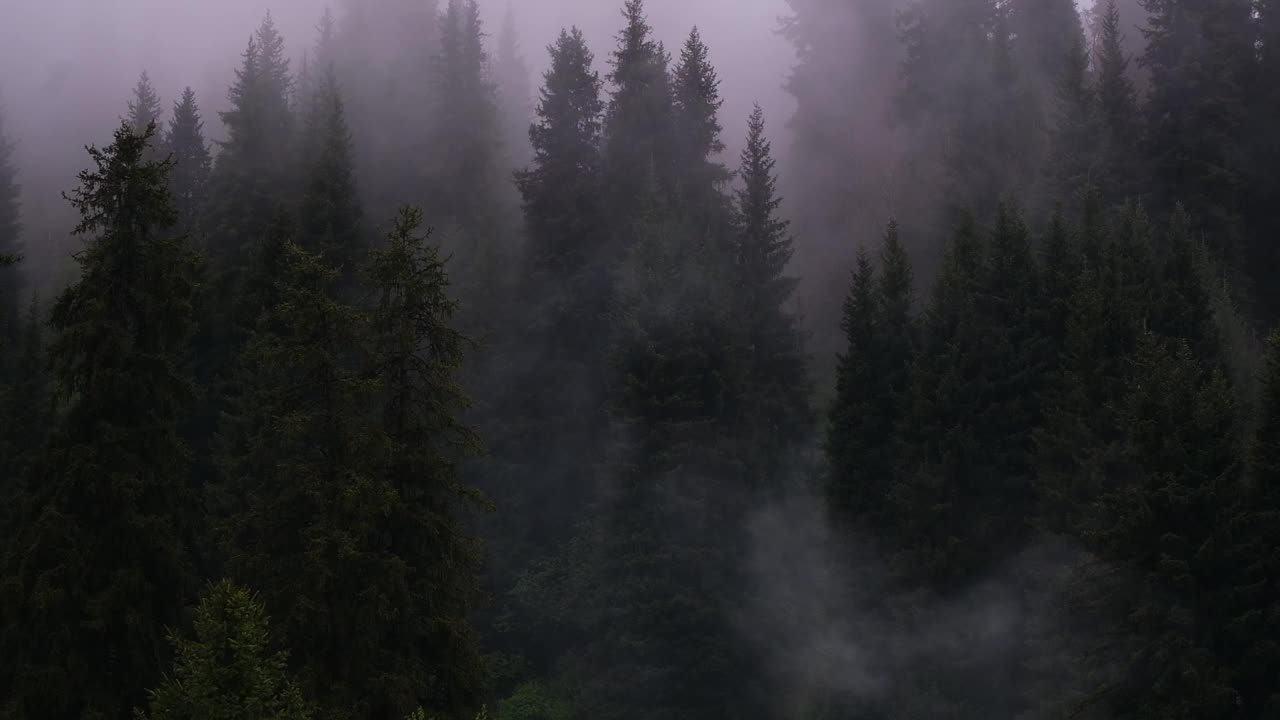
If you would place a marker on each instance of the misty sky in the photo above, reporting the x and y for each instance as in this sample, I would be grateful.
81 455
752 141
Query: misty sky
60 58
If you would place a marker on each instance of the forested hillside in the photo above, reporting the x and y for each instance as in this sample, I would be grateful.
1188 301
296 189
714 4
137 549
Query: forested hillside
434 390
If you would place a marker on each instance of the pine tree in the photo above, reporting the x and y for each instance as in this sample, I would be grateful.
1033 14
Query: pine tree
189 180
429 646
566 285
1163 520
255 163
11 276
856 484
228 670
467 186
775 409
1075 160
330 214
104 546
144 108
872 379
696 96
1199 56
514 97
638 120
299 456
1117 102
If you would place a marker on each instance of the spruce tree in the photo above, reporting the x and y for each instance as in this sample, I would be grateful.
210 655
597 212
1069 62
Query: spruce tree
667 516
515 100
696 96
104 548
189 179
774 408
255 165
1200 56
425 651
1075 156
1117 103
638 120
330 213
466 183
228 669
144 108
872 379
300 460
1163 519
855 490
566 286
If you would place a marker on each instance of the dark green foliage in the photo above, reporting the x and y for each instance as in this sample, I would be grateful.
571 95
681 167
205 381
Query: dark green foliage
103 547
466 125
1117 104
254 168
25 405
558 406
1257 625
872 379
658 642
638 121
1075 160
971 410
189 179
1162 521
515 99
421 644
773 409
228 670
144 108
696 96
344 447
329 215
301 463
1199 56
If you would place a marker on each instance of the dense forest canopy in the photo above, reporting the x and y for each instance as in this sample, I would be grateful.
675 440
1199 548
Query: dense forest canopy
420 361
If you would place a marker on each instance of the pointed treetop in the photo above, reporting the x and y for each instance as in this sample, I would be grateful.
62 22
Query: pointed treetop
144 108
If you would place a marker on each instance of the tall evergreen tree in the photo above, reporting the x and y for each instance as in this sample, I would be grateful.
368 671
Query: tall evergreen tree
426 653
144 108
104 547
189 179
467 186
301 461
774 409
1200 56
871 383
1117 102
638 120
515 100
1075 155
330 213
566 285
696 96
1163 519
